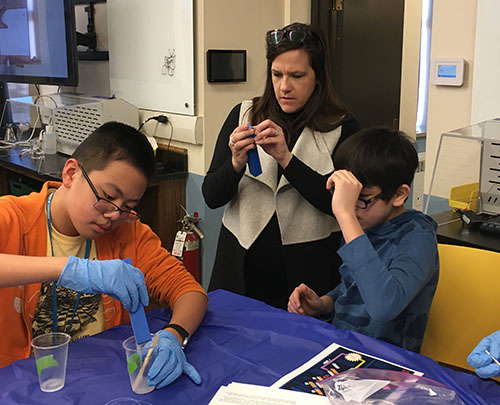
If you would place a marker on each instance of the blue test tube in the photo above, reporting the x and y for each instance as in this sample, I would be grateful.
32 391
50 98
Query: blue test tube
253 160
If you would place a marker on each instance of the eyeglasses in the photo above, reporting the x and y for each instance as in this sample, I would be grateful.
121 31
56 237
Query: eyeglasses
106 206
298 35
363 204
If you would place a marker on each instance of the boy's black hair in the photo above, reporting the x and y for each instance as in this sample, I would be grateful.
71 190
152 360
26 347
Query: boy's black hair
379 156
116 141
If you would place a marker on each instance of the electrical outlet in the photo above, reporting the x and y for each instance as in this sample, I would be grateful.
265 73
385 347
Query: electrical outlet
182 128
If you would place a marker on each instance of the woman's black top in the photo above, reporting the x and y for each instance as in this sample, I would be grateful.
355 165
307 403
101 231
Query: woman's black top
269 271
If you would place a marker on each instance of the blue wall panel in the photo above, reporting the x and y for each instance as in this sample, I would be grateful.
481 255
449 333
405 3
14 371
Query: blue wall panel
209 224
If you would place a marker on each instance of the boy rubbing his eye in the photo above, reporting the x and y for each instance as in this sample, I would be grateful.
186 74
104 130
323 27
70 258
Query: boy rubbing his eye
390 258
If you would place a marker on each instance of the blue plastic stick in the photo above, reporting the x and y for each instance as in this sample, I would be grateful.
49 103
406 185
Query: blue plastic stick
253 160
139 322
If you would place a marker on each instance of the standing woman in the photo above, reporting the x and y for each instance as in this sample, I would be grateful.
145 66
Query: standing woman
277 229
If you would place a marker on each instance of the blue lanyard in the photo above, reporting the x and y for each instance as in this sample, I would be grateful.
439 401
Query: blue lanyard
54 291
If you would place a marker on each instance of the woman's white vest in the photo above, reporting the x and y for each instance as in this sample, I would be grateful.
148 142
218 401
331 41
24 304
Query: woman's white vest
258 198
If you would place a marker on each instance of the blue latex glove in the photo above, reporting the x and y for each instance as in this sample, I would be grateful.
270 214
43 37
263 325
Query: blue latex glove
116 278
484 365
170 362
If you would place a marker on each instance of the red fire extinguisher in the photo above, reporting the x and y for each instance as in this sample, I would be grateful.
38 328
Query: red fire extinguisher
187 243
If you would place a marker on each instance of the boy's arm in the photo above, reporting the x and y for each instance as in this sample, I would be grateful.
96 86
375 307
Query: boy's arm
188 312
169 283
116 278
387 290
19 270
113 277
347 189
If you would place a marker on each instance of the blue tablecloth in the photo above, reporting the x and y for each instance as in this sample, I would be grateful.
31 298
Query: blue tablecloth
240 340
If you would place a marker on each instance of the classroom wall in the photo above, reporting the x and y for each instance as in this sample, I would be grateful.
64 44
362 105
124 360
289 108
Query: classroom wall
485 82
453 35
409 67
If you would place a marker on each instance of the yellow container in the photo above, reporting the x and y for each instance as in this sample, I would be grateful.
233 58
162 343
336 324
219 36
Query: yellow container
464 197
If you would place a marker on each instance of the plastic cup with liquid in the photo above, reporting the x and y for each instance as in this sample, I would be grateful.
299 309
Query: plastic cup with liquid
137 372
51 355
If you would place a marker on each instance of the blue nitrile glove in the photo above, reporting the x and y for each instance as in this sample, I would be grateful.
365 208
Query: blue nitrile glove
484 364
116 278
170 362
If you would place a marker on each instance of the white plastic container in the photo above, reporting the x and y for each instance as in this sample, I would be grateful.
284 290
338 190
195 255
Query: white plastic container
49 144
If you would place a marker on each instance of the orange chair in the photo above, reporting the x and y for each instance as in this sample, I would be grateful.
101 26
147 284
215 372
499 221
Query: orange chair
466 306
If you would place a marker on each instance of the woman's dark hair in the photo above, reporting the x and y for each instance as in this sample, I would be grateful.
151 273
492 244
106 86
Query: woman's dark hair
323 111
379 156
116 141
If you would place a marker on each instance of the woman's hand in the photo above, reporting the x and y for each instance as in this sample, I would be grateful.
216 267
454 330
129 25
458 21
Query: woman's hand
240 142
272 139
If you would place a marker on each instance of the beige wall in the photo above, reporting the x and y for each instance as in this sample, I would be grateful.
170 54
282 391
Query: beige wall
244 28
453 35
486 81
409 68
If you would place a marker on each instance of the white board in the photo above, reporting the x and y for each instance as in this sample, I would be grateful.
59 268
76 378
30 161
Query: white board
151 53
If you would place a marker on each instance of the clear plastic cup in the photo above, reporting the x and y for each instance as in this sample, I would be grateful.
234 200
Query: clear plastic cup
51 355
137 372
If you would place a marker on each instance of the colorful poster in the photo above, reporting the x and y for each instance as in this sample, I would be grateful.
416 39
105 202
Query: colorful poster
332 361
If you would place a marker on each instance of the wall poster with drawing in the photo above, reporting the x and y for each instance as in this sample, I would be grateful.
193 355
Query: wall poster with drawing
151 56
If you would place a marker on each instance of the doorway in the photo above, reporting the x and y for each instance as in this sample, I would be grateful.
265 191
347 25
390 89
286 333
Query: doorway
366 40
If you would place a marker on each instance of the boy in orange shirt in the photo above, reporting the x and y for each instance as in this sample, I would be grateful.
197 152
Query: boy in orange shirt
59 249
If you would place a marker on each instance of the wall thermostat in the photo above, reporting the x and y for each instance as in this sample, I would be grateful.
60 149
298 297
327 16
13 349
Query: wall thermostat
447 72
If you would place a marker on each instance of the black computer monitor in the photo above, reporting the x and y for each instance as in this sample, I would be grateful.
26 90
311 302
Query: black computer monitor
38 42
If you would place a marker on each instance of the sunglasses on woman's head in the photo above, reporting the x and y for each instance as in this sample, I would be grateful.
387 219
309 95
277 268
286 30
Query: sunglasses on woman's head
274 37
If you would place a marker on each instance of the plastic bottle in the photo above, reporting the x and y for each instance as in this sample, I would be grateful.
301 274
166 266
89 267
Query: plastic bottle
49 141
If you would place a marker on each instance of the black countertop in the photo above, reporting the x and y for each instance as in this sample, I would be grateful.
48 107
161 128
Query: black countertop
170 164
452 230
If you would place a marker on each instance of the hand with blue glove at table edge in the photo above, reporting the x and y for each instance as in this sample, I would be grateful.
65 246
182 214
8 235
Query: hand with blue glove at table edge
116 278
169 362
483 364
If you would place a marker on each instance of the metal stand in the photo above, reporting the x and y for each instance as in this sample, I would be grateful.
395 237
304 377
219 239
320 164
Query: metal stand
90 38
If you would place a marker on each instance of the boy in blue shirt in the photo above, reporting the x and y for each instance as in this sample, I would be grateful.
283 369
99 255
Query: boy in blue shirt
390 258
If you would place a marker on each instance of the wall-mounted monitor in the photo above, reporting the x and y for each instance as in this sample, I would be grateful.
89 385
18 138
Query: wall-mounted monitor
225 65
38 42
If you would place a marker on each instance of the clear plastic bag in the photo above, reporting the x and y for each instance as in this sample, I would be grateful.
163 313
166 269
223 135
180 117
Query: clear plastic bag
386 387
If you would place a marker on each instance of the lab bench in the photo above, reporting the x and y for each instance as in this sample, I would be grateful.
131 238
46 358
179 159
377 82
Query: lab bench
453 231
